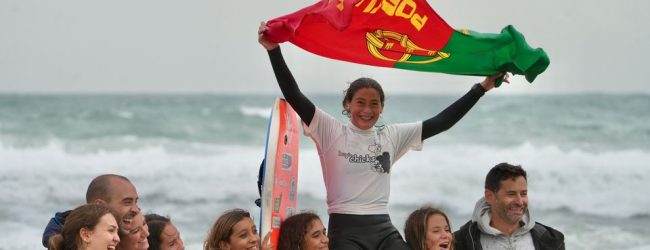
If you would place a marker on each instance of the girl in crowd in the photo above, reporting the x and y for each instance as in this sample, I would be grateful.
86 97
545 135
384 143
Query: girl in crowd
87 227
235 230
136 238
357 158
163 235
428 228
303 231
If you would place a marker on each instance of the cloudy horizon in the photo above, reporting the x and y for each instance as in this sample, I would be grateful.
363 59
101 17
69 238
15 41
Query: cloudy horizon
201 46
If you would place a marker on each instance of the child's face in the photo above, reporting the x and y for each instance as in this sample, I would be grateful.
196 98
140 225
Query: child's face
365 108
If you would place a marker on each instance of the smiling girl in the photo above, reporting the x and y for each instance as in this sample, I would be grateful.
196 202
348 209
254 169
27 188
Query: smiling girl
88 227
357 157
136 238
235 230
428 228
303 231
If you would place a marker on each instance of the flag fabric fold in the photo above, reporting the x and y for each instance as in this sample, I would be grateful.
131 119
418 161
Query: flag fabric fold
405 34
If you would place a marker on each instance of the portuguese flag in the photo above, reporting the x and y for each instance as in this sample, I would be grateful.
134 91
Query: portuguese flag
405 34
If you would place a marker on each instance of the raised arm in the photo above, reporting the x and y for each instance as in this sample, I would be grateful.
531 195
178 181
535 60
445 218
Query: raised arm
298 101
452 114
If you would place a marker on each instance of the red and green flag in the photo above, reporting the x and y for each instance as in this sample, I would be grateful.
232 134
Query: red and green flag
405 34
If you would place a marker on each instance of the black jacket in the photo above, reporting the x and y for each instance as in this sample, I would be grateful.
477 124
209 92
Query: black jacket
544 237
55 226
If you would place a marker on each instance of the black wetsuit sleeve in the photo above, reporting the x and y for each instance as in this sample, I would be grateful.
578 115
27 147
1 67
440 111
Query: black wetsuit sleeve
452 114
299 102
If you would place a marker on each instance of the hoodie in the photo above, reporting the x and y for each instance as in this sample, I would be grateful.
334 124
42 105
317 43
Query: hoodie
478 234
55 226
492 238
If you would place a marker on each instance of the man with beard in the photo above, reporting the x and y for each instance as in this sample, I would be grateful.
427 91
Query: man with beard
114 191
501 219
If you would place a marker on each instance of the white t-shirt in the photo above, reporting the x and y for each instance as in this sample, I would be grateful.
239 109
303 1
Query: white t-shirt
357 163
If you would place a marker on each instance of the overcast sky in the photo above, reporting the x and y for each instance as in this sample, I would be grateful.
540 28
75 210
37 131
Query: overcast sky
201 46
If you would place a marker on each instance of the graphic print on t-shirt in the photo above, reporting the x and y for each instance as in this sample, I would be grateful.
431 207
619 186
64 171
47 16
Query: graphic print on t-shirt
382 163
378 163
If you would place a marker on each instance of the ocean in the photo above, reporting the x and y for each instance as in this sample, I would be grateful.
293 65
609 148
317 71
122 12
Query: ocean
194 156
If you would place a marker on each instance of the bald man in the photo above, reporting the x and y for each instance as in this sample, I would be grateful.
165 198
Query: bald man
114 191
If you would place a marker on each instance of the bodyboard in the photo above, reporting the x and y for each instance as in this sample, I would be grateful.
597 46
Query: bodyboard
280 171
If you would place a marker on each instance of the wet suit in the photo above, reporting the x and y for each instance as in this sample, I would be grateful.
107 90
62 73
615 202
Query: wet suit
356 163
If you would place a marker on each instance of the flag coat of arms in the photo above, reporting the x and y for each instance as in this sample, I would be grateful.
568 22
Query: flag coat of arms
405 34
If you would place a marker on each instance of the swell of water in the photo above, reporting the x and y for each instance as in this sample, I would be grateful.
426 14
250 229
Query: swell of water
192 157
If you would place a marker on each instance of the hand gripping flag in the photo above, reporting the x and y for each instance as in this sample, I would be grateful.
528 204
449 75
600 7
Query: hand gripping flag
405 34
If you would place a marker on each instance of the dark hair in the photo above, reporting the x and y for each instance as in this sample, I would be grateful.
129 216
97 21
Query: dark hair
99 187
85 216
222 228
294 229
363 82
500 172
156 225
415 227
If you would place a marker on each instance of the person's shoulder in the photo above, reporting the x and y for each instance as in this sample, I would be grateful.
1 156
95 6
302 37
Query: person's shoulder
54 226
63 214
548 237
464 229
408 125
547 229
322 115
462 236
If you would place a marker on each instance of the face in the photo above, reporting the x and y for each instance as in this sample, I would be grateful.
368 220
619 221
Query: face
124 200
364 108
137 237
244 236
510 202
438 235
104 236
316 237
170 238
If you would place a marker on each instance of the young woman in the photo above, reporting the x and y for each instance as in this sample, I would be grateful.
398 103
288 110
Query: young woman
428 228
136 238
87 227
163 235
303 231
356 158
235 230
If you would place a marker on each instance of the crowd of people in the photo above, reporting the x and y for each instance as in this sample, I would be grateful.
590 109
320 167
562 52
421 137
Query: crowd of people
356 161
112 220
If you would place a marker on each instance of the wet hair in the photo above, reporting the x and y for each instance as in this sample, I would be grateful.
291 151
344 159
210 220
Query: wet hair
415 227
222 228
500 172
156 225
85 216
294 229
361 83
99 188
